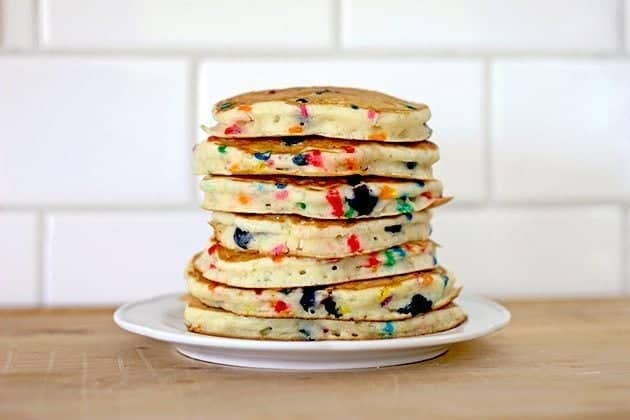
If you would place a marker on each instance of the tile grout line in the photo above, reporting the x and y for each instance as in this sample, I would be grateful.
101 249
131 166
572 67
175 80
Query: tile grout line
486 122
289 54
193 130
621 30
335 27
36 24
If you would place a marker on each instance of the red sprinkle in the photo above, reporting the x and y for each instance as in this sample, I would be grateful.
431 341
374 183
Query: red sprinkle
354 244
386 301
303 111
334 199
315 158
212 249
258 291
280 306
282 195
427 194
233 129
348 149
373 262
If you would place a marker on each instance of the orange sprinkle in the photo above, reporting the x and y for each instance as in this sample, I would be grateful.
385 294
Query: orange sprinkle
245 108
387 193
277 258
295 129
379 135
243 198
351 164
427 280
234 167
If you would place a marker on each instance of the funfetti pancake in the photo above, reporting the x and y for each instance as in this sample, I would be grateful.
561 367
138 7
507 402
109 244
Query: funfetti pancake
202 319
314 156
328 111
254 270
280 235
386 298
321 198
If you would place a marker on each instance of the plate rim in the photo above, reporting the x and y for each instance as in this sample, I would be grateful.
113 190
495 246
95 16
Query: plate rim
187 338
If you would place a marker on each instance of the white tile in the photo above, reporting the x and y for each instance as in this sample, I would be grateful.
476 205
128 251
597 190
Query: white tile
94 131
456 105
16 23
560 129
18 259
111 257
123 24
533 252
481 25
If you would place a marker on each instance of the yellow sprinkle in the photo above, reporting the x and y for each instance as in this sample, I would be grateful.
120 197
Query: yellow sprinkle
383 294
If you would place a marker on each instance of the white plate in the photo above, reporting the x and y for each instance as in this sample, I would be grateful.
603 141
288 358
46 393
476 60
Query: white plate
162 318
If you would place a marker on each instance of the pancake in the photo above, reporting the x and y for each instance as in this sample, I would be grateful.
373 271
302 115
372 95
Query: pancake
314 156
246 269
383 299
202 319
320 198
329 111
280 235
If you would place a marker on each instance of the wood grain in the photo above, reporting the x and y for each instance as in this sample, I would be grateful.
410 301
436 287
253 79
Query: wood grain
558 359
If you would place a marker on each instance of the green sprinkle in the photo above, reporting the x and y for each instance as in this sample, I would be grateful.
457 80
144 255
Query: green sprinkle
410 107
403 206
349 214
353 106
225 106
390 259
265 331
301 205
222 148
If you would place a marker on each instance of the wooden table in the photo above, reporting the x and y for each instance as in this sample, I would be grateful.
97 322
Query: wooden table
556 359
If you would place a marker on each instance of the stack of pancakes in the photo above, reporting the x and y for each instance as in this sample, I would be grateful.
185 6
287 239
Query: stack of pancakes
321 202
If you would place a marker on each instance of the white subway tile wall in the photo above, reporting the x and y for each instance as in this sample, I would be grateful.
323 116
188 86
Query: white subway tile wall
98 258
100 103
124 24
533 252
481 25
19 258
74 130
561 129
17 19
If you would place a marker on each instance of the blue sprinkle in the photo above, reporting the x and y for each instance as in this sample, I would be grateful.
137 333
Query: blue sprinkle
299 159
262 156
434 260
306 334
420 183
398 250
260 187
430 229
409 216
445 280
280 185
388 329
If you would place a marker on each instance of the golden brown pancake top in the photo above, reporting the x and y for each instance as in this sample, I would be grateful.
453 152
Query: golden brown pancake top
323 95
